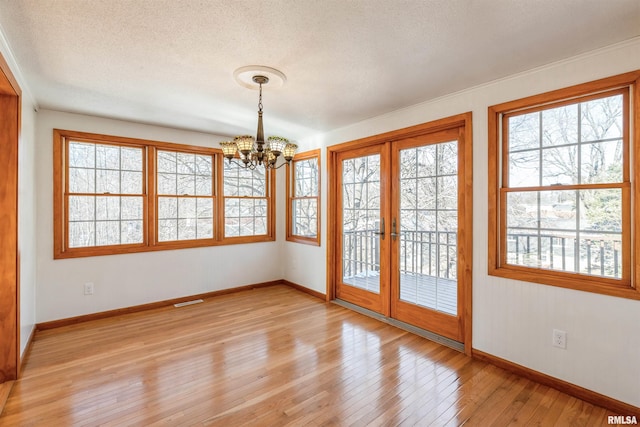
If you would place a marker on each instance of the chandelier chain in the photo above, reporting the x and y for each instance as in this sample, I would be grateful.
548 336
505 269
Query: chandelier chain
260 100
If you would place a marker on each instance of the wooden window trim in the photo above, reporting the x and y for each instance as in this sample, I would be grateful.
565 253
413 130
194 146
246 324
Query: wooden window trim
290 197
150 242
626 288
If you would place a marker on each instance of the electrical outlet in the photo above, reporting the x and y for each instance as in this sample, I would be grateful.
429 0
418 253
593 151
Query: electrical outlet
559 339
88 288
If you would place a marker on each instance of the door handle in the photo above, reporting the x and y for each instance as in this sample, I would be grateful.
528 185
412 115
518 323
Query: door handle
381 232
394 234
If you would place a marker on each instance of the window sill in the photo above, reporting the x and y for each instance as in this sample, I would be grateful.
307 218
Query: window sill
161 246
311 241
598 285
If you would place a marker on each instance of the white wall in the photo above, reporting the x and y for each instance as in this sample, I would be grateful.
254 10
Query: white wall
27 223
131 279
514 320
306 264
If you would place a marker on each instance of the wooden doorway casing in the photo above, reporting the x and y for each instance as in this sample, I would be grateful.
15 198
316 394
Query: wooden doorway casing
462 121
10 108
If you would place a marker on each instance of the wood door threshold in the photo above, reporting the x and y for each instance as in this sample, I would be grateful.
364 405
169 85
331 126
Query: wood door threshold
402 325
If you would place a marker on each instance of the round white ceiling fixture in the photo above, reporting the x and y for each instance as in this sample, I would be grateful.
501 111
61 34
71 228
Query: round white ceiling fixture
245 76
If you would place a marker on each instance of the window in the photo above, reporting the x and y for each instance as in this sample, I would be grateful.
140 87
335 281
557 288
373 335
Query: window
118 195
561 186
303 198
184 195
246 201
105 195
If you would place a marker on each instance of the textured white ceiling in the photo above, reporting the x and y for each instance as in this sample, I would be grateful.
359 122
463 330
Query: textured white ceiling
171 62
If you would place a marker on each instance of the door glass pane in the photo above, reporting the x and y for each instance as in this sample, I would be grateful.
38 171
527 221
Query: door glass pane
361 222
429 226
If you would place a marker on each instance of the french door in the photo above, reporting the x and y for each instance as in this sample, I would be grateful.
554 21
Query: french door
403 217
363 241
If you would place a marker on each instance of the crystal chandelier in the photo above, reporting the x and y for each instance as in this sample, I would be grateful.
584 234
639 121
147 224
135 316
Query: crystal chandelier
255 152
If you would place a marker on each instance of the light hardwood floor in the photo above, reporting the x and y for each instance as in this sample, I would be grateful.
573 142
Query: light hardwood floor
269 357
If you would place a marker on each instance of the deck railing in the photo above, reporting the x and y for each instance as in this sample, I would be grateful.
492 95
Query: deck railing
599 256
360 252
434 253
421 252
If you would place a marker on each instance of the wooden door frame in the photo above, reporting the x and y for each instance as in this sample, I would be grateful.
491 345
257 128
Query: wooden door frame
466 204
10 108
